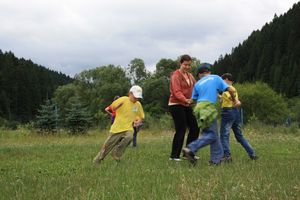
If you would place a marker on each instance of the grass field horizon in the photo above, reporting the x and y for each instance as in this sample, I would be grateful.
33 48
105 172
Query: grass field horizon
60 166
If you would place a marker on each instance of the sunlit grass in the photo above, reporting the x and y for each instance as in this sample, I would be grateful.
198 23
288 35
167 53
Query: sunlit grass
59 167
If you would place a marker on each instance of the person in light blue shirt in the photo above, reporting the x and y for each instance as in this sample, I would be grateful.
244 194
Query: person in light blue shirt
207 88
205 92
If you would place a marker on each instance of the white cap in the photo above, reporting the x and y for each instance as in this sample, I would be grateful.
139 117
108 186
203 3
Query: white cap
137 91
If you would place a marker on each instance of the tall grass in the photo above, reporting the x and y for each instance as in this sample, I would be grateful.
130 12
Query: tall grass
59 167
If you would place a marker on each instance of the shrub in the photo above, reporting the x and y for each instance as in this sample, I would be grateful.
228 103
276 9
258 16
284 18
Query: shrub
11 125
164 122
294 108
259 100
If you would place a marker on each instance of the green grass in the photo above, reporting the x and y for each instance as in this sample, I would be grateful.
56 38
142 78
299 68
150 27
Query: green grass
59 167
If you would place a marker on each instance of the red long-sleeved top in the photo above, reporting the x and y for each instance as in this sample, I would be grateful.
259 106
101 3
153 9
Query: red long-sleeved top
180 90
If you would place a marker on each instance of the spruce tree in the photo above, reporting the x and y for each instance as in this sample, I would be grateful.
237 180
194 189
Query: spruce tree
78 119
47 118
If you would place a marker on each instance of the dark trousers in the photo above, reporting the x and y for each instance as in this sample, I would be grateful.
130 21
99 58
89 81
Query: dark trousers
183 118
136 130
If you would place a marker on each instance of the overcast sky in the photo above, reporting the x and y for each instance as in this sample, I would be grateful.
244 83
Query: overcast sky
73 35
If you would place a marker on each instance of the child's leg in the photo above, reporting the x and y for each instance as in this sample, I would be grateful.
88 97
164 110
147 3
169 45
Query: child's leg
237 130
122 144
216 150
108 145
226 125
134 136
241 139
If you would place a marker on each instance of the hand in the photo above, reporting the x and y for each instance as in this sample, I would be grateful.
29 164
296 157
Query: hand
237 103
189 101
137 123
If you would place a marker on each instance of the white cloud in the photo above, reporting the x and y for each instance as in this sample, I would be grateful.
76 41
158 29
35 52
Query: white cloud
73 35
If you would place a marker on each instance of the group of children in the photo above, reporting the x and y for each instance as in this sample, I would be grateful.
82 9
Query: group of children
127 116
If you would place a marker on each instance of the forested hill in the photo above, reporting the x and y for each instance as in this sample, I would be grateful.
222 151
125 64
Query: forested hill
271 55
25 85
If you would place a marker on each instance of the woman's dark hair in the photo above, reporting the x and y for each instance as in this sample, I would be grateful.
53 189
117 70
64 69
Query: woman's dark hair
185 57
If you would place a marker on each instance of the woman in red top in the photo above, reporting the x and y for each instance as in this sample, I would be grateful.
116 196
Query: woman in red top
181 87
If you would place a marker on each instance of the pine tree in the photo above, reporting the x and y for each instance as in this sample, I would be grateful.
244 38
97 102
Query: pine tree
78 119
47 118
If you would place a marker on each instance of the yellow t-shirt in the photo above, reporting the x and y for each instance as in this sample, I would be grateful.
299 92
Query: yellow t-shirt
126 114
226 99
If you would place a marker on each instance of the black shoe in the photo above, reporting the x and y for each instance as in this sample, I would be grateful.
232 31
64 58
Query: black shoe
253 157
185 158
211 163
227 159
190 156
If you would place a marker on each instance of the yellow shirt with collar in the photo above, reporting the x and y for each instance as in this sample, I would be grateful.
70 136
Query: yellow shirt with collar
226 99
126 114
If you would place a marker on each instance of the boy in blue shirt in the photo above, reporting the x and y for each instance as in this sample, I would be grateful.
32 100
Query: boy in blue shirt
205 92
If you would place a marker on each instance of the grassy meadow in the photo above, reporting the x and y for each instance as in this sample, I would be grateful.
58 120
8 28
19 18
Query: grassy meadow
60 167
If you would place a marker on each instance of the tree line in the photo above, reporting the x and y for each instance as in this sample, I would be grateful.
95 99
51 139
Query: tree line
271 55
24 86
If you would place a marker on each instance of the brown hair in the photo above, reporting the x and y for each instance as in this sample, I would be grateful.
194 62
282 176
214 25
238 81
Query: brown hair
184 57
227 76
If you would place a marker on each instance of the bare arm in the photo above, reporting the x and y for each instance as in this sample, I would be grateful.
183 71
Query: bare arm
220 98
108 110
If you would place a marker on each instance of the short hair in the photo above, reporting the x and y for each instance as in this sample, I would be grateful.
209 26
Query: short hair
227 76
203 67
185 57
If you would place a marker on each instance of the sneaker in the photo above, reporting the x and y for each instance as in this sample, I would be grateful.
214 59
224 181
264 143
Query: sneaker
116 158
227 159
96 161
175 159
211 163
189 155
253 157
185 158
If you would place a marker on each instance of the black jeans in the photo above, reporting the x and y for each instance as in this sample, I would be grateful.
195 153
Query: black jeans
183 118
135 132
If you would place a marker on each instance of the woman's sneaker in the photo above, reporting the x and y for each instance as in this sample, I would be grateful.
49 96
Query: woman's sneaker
175 159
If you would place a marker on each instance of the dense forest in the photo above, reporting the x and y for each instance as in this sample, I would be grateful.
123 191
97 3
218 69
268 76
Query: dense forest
24 86
271 55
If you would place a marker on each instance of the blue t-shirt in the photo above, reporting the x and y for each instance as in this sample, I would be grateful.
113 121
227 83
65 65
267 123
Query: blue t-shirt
207 88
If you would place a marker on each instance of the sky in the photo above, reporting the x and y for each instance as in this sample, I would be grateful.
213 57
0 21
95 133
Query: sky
70 36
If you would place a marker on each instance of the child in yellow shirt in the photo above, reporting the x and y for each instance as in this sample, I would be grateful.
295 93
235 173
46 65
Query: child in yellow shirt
128 111
231 120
